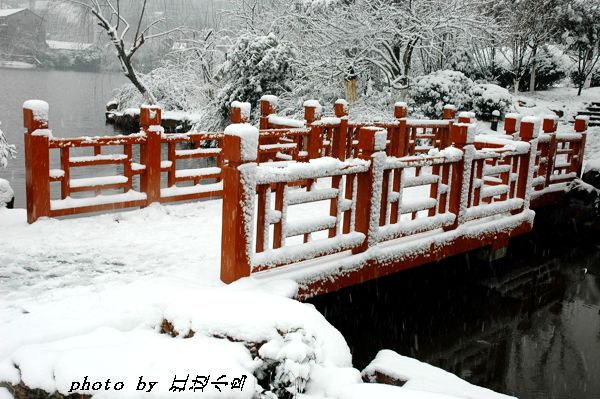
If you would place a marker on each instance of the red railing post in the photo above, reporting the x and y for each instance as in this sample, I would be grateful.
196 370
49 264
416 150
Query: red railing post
340 134
37 159
400 144
371 147
400 110
466 117
511 123
449 112
240 150
150 152
549 126
340 108
312 111
315 142
240 112
462 137
581 126
268 106
528 132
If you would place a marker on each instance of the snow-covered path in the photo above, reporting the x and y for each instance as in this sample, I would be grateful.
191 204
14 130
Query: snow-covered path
178 241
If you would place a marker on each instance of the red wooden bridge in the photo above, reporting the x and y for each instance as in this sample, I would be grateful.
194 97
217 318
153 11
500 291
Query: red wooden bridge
369 198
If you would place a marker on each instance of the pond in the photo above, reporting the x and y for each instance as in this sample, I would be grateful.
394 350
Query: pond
528 325
77 103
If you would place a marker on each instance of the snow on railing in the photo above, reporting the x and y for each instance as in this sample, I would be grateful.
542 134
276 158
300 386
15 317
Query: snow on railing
338 136
305 211
150 154
559 159
191 162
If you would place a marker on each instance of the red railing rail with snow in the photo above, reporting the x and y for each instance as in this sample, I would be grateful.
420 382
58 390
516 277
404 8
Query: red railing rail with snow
150 155
338 136
370 204
147 155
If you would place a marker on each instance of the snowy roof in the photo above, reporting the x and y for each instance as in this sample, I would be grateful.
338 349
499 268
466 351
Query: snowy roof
10 11
60 45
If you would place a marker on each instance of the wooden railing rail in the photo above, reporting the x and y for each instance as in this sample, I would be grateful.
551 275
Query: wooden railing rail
148 155
164 164
358 203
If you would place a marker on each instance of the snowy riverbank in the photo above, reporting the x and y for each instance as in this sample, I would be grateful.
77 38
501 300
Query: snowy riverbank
90 297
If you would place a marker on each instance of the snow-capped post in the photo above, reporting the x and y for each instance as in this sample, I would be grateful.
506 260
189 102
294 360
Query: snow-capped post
341 146
528 132
37 159
268 106
240 112
312 111
465 117
449 112
150 154
494 120
371 147
462 136
400 110
549 125
581 126
240 151
340 108
511 123
400 141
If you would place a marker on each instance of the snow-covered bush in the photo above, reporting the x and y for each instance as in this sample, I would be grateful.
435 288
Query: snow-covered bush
431 92
6 193
256 65
287 363
7 151
488 98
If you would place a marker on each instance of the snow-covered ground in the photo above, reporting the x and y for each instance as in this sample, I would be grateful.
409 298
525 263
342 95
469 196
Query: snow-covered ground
88 296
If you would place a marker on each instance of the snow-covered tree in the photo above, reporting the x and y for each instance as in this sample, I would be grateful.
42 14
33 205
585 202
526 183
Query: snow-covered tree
256 65
580 33
7 151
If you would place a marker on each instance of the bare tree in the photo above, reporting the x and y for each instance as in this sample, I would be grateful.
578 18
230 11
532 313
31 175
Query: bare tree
110 18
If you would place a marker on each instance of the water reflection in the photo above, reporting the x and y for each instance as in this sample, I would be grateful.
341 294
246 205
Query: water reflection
527 326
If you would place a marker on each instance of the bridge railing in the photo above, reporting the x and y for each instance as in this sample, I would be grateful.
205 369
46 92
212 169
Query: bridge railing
194 157
163 163
359 203
337 136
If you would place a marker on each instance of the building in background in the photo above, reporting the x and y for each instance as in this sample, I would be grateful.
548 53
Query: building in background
22 32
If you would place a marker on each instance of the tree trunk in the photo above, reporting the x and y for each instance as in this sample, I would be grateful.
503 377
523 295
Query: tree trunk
580 87
516 85
533 70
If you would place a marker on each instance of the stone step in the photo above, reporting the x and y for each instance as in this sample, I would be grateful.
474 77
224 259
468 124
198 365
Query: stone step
592 115
593 109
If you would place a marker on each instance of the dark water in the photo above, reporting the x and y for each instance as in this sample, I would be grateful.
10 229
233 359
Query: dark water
528 325
77 103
